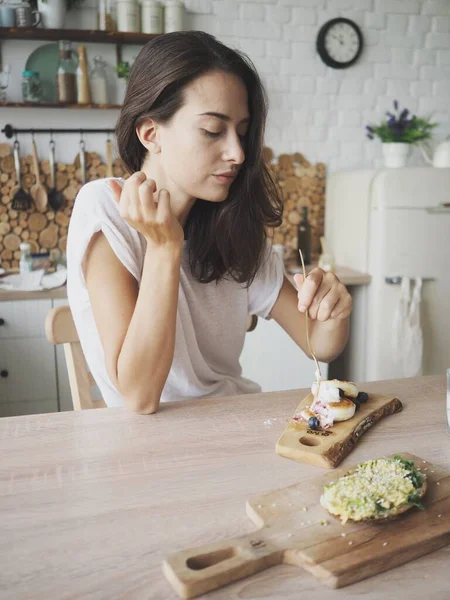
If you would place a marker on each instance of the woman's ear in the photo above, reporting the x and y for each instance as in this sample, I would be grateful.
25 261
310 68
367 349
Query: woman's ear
147 132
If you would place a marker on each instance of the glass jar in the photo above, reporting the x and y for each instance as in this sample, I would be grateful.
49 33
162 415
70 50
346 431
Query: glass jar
152 16
173 16
31 87
128 15
99 82
26 262
65 78
106 17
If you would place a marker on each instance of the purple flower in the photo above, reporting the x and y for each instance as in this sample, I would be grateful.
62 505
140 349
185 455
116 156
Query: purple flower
395 104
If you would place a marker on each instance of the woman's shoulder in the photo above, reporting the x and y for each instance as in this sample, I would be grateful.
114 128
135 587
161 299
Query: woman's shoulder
97 196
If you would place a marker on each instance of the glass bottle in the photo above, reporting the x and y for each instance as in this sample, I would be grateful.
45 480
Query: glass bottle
83 85
99 82
304 238
26 262
4 81
65 78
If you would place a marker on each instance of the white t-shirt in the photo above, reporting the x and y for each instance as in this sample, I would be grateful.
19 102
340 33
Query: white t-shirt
211 318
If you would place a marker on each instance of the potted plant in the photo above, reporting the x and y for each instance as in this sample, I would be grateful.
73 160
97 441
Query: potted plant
53 12
398 132
123 70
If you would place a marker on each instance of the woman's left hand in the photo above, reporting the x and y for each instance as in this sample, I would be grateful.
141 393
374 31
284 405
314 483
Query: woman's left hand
323 296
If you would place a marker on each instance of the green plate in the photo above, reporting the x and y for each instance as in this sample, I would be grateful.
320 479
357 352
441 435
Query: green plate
45 61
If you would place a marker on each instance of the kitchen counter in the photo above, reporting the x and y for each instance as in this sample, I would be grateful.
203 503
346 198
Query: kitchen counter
92 502
7 295
348 277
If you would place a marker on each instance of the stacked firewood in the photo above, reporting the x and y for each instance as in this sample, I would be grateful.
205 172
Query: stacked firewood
302 184
46 230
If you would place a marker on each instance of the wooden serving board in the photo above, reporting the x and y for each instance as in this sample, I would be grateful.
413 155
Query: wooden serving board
293 531
327 448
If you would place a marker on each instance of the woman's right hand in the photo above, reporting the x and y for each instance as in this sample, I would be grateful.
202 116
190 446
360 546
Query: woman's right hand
147 212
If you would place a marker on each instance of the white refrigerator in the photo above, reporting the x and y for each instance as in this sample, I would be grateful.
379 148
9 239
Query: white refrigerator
392 224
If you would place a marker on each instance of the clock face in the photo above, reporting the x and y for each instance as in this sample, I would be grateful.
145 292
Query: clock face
339 43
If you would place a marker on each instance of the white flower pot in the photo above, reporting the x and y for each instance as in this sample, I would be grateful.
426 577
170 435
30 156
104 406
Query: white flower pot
53 13
396 154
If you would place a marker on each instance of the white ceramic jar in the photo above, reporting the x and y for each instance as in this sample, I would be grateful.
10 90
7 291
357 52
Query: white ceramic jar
173 16
152 16
127 14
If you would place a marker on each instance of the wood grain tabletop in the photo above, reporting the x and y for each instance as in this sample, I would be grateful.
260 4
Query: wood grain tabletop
92 502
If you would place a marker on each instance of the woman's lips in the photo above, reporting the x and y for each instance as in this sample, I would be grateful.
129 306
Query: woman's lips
225 178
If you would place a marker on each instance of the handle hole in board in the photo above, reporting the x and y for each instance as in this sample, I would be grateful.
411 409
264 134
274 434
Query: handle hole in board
310 441
203 561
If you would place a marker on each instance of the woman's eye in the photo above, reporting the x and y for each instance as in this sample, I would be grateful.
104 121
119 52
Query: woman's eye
212 134
215 135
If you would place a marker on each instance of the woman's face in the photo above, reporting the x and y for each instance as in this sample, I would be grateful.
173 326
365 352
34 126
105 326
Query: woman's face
202 148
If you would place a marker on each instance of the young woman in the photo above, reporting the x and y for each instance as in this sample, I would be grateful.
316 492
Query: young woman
164 268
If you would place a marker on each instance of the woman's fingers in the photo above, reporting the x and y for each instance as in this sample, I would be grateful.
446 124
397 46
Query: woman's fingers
164 212
130 191
309 288
148 214
323 296
146 200
326 305
343 308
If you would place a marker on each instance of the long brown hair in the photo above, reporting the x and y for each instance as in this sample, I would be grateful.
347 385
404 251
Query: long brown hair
226 239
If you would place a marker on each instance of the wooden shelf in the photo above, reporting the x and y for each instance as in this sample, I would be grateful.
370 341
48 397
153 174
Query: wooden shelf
51 105
75 35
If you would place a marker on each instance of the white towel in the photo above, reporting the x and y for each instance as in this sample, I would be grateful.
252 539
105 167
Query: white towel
407 330
412 359
34 281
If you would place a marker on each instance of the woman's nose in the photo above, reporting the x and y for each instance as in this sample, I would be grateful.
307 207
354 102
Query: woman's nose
234 151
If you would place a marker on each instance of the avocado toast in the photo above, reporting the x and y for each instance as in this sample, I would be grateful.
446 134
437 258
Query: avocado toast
375 490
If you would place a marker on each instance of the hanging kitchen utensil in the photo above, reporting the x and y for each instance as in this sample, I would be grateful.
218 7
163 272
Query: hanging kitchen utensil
109 167
21 200
38 191
55 198
82 161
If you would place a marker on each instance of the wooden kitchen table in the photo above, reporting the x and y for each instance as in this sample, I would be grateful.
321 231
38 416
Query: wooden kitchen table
91 502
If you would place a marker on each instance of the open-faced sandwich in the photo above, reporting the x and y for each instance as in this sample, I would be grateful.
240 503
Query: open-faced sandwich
375 490
334 400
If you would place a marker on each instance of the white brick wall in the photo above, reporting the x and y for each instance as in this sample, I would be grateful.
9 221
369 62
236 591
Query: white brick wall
323 112
313 109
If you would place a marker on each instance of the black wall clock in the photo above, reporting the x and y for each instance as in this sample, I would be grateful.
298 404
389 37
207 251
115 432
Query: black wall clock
339 43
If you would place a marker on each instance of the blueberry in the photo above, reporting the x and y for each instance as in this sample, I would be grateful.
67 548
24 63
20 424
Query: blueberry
313 423
357 403
363 397
341 393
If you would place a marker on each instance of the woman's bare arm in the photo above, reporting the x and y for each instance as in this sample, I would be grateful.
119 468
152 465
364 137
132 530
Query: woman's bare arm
136 323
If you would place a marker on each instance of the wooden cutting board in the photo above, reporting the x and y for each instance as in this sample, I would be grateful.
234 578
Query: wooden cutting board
327 448
295 529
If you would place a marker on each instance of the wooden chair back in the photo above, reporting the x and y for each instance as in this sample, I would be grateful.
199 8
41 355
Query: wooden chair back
60 329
